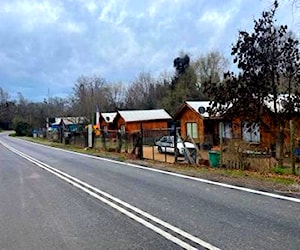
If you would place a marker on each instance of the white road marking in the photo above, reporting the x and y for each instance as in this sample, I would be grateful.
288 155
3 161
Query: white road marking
94 192
249 190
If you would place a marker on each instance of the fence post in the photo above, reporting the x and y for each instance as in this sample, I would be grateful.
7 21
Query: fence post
153 150
140 143
103 138
119 141
173 133
292 145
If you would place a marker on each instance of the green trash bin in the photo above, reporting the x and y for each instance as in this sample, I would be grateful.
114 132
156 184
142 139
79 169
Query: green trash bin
214 158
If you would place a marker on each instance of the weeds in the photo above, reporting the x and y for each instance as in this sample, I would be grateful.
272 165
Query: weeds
282 170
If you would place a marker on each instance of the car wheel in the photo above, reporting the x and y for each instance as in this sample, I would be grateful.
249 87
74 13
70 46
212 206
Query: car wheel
159 149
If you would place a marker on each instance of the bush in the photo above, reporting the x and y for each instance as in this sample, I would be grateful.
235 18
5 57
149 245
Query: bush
23 129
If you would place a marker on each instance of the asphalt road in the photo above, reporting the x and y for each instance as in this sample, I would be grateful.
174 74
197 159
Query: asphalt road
41 210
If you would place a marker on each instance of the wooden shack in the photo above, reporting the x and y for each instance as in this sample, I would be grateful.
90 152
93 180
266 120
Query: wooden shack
131 120
196 122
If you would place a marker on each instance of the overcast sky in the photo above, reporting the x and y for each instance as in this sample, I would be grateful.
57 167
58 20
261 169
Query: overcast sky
45 45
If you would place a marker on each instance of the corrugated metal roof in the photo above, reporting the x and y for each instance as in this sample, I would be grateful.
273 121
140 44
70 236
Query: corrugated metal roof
109 117
144 115
71 120
197 104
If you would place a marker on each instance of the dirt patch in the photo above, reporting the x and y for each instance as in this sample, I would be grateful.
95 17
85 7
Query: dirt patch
151 153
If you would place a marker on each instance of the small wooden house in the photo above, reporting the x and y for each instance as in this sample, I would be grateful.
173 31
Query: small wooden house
107 121
196 122
265 133
132 120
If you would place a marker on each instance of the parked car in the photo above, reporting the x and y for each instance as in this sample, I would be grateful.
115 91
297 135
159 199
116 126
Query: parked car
166 145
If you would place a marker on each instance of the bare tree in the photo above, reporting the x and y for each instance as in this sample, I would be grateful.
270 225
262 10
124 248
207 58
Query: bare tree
88 93
210 67
116 96
141 93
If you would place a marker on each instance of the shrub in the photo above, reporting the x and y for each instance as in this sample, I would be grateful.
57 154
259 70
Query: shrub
23 129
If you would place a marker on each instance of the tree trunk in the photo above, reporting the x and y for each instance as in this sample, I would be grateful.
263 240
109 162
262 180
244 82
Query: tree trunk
279 146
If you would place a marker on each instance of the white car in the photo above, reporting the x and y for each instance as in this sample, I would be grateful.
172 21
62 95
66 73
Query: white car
166 145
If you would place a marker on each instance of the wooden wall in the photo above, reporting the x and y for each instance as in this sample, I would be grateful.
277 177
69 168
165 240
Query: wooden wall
267 138
188 115
136 126
268 130
147 125
110 125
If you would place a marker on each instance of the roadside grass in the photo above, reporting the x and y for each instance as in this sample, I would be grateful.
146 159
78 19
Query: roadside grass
282 170
277 175
90 151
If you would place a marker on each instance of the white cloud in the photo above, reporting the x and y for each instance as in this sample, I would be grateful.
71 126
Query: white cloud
91 6
32 13
52 42
73 27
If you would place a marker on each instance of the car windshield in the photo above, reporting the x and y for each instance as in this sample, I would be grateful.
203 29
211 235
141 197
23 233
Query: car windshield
170 139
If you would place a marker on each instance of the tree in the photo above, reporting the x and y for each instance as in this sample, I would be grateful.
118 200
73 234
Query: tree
21 127
141 94
7 110
4 97
209 67
88 93
269 63
183 85
116 96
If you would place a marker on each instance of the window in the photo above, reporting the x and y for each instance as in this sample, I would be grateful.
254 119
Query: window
122 128
192 129
251 132
164 139
226 131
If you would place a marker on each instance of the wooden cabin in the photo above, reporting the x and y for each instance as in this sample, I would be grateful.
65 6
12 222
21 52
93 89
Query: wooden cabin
265 133
196 122
107 121
205 129
131 120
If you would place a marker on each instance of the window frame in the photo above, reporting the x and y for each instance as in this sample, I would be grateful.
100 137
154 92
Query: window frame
226 131
193 128
252 136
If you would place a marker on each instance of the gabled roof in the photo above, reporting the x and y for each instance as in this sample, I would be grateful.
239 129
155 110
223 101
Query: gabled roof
203 105
144 115
195 106
109 117
70 120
